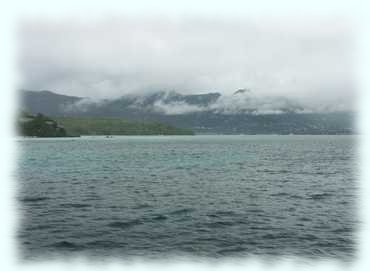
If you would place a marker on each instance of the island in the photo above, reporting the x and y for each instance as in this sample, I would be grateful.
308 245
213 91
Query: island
39 125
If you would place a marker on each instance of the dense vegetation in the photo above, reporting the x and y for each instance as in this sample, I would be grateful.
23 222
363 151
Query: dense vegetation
117 126
39 126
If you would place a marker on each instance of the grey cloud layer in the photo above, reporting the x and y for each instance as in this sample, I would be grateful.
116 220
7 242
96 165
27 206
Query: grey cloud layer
302 60
241 102
249 103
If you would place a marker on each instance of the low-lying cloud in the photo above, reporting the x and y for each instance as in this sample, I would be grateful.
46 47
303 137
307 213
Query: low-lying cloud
177 108
247 103
309 61
84 105
244 101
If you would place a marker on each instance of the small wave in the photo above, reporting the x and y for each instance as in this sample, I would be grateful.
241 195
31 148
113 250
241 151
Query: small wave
342 230
221 213
218 224
57 230
233 250
259 211
304 219
282 171
40 227
295 197
34 199
142 206
182 211
322 227
281 235
324 244
103 244
159 217
319 196
75 205
66 245
308 237
261 228
205 239
125 224
280 194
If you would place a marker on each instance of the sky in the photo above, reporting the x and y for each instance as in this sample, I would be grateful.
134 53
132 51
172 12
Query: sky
297 58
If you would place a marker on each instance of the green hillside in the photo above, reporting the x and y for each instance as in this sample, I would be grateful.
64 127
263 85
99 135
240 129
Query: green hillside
117 126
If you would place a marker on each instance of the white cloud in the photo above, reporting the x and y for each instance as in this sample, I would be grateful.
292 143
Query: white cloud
305 60
176 108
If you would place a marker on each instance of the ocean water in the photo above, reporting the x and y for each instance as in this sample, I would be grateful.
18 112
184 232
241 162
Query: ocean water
191 196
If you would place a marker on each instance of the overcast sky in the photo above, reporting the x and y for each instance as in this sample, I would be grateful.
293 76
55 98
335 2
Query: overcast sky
308 59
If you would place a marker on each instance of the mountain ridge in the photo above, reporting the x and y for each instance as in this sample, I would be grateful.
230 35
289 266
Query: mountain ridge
240 113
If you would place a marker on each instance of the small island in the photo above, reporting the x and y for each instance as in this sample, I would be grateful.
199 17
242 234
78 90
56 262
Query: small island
39 126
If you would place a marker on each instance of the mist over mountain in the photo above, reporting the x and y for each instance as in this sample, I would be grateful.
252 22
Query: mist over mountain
241 112
211 75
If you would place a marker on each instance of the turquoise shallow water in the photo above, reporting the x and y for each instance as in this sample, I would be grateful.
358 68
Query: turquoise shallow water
204 196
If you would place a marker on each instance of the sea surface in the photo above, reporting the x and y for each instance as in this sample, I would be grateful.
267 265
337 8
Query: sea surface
188 196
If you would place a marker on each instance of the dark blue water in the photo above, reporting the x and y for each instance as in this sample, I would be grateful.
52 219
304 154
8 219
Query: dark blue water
203 196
